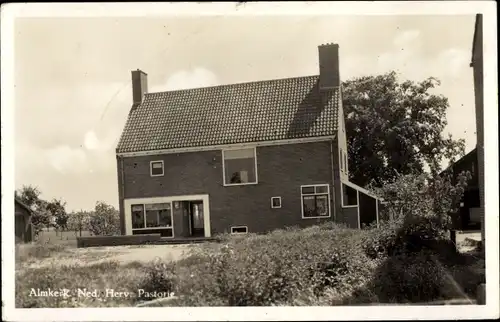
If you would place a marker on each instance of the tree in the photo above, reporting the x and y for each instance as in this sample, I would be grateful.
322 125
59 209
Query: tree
78 221
58 213
30 196
424 204
104 220
395 128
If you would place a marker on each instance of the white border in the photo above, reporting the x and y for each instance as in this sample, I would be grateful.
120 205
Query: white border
387 313
151 168
315 194
279 198
235 227
127 203
224 168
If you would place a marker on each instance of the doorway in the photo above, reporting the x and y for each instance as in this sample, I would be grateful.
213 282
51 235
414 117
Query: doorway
196 220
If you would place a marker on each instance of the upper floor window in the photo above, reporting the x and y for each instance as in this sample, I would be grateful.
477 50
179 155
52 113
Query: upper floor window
239 166
156 168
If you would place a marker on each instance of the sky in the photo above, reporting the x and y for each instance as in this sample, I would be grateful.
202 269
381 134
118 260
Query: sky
73 83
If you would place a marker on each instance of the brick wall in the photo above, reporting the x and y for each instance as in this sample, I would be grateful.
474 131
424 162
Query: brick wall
281 171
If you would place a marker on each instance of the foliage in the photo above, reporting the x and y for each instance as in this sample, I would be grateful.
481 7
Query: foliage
159 277
422 209
57 211
30 196
395 128
78 221
274 269
104 220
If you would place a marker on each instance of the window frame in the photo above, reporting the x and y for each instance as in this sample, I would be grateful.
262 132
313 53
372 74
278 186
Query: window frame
233 227
224 167
272 205
341 160
151 168
145 218
327 193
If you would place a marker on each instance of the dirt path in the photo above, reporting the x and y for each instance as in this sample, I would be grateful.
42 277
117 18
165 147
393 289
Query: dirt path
121 254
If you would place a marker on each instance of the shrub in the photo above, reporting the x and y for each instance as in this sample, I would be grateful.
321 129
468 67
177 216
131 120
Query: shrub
409 278
278 268
159 277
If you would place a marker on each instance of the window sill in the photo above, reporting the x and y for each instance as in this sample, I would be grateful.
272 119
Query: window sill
157 175
240 184
329 216
149 228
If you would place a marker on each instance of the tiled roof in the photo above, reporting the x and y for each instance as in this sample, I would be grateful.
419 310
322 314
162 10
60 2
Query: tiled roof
240 113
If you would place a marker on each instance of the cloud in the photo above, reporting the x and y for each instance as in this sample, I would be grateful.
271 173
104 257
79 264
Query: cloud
184 79
92 143
454 61
406 38
66 159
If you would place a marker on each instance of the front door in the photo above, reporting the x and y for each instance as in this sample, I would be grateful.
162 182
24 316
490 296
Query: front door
197 221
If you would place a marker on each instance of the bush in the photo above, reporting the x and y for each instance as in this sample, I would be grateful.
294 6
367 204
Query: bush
160 277
409 278
278 268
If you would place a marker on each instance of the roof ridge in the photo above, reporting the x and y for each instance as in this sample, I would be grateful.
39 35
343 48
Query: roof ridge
233 84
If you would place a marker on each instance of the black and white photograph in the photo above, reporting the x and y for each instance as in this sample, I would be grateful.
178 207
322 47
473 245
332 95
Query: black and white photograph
249 161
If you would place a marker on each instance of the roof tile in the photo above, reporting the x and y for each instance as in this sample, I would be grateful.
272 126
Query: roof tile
239 113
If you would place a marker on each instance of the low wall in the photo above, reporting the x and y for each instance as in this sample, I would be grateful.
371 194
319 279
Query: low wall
96 241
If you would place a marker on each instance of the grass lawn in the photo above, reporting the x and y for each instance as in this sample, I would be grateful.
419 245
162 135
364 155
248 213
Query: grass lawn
313 266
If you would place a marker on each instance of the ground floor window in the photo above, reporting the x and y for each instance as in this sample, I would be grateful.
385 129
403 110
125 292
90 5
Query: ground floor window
239 230
152 218
315 201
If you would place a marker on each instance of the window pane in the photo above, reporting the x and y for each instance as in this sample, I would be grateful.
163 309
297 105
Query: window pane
151 218
239 154
309 206
276 202
165 219
157 168
239 166
307 190
157 206
321 189
322 206
137 216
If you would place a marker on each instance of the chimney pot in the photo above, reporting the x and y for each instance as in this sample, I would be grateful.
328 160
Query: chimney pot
329 75
139 86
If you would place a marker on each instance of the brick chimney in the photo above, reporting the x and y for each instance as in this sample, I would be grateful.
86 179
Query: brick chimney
139 86
329 76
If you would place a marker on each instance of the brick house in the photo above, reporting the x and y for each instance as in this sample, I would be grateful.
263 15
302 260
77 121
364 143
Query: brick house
477 65
249 157
23 226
